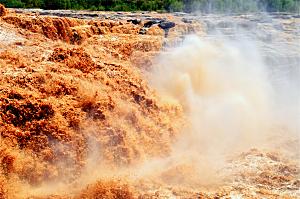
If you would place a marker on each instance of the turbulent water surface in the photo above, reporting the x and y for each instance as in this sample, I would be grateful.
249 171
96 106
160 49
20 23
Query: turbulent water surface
106 107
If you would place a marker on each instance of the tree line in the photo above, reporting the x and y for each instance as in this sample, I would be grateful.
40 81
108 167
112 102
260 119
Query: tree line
205 6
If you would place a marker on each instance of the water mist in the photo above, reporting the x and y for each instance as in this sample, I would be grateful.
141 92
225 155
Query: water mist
231 100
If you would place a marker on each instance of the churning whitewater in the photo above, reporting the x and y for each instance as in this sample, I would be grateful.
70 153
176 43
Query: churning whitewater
111 108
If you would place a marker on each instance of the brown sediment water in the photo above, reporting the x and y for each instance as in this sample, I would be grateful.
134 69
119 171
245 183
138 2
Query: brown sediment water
91 108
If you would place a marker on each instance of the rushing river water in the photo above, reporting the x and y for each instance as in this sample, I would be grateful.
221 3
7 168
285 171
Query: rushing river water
218 116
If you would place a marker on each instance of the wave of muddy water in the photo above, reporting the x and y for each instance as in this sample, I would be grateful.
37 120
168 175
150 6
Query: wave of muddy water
92 108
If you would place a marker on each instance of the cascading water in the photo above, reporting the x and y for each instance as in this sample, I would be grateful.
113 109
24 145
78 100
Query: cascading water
238 91
218 116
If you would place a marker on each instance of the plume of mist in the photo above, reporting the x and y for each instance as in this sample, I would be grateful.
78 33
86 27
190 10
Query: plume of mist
230 99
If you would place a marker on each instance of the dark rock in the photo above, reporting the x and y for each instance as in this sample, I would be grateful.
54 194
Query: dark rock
150 23
166 25
143 31
134 21
92 15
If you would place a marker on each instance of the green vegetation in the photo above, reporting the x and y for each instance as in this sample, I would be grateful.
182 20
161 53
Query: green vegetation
162 5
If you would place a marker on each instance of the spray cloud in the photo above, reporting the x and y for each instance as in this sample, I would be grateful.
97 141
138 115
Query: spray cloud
229 98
